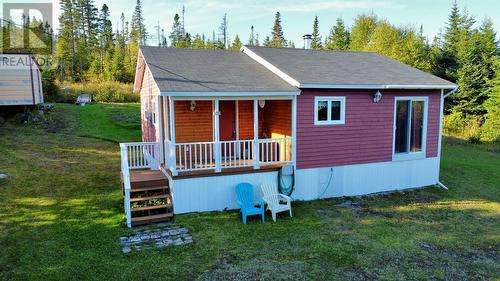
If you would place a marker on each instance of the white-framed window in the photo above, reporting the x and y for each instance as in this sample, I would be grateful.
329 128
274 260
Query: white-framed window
329 110
154 111
410 128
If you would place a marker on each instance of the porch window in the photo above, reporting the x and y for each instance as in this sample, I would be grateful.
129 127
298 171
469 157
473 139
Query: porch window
410 126
329 110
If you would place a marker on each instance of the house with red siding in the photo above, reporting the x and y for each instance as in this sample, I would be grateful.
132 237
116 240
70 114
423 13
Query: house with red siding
348 123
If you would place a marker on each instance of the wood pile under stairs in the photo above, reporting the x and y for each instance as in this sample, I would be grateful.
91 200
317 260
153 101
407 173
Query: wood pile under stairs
150 197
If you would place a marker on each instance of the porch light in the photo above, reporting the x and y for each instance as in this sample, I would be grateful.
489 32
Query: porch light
262 103
192 105
377 97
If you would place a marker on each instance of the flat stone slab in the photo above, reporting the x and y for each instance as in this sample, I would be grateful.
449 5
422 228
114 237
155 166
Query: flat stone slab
161 237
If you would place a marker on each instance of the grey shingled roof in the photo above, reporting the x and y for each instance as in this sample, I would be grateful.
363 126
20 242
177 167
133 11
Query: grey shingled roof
345 68
199 70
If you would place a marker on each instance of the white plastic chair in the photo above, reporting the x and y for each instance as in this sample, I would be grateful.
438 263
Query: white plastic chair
276 202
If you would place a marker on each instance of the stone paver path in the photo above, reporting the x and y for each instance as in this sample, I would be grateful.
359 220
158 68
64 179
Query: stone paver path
162 236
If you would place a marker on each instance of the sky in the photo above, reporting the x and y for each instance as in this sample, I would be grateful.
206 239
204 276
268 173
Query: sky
204 16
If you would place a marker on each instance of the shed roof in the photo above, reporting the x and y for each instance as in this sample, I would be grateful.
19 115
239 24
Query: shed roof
338 69
201 70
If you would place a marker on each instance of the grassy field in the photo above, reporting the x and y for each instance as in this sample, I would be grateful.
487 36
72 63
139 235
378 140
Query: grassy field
61 217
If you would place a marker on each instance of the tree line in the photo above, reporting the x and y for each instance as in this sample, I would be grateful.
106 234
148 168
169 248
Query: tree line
90 48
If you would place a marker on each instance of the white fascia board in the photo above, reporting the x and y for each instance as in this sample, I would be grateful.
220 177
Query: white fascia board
230 94
450 92
373 86
270 66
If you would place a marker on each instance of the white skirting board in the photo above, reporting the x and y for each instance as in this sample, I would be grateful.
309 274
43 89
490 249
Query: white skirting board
363 179
216 193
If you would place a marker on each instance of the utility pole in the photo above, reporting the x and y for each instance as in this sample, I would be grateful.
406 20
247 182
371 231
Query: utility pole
183 26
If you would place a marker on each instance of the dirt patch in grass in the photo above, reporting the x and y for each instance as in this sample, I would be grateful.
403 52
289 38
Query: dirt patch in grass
231 268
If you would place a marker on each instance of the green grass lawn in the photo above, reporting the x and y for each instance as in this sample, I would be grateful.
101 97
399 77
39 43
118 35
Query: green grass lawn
61 215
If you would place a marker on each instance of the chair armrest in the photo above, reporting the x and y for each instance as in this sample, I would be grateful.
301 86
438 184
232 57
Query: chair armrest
287 198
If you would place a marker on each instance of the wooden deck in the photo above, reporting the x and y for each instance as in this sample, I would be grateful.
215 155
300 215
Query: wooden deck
227 171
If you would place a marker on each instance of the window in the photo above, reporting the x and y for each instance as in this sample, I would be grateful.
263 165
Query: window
329 110
410 126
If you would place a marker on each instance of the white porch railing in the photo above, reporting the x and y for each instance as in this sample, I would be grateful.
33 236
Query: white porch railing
197 156
137 155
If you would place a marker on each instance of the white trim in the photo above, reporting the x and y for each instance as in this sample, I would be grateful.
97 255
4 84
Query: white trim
217 146
237 119
270 66
374 86
441 110
230 94
329 99
256 152
410 155
172 165
294 132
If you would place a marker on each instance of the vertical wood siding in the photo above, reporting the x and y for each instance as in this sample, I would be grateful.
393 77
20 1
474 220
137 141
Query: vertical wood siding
367 133
245 119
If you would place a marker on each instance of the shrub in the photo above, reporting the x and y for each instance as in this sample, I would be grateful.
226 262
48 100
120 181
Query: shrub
49 85
107 91
470 128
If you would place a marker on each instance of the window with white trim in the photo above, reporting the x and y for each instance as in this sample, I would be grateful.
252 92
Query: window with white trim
329 110
410 127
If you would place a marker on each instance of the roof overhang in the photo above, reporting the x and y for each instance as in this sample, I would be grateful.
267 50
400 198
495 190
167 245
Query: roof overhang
374 86
230 94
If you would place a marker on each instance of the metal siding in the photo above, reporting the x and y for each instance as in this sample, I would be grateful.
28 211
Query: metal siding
365 137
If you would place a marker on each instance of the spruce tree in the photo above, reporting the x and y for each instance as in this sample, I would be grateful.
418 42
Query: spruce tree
251 39
223 32
278 39
138 32
339 37
236 46
176 36
316 38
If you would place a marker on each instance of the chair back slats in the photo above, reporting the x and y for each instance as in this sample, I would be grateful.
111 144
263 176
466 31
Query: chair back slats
244 192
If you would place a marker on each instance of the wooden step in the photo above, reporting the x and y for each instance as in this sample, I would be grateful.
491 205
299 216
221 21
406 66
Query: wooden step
151 219
162 196
148 188
146 208
147 178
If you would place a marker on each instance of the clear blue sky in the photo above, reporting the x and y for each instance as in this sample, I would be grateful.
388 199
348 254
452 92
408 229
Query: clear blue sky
204 16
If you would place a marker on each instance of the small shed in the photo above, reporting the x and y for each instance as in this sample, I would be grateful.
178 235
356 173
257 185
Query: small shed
20 80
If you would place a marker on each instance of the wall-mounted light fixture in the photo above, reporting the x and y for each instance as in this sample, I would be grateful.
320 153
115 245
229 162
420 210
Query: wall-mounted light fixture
377 97
192 105
262 103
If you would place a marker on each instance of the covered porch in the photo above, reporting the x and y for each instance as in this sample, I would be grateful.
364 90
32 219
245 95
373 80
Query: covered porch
204 135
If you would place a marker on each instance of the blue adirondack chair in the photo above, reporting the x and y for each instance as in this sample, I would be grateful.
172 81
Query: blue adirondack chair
244 193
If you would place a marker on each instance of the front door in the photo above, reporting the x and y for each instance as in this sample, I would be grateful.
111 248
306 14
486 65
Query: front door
227 120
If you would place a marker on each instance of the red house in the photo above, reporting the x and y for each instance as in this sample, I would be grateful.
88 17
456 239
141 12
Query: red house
350 123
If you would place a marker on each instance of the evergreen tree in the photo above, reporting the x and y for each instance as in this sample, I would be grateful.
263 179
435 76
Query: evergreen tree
198 42
66 43
278 39
223 32
236 46
291 44
362 30
251 39
339 37
316 38
138 32
176 36
491 128
267 42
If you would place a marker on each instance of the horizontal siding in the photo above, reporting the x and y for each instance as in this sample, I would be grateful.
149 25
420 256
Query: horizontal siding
366 136
193 126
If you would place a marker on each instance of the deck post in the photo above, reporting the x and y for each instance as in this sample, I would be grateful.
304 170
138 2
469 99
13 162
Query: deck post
217 147
255 134
173 159
294 131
